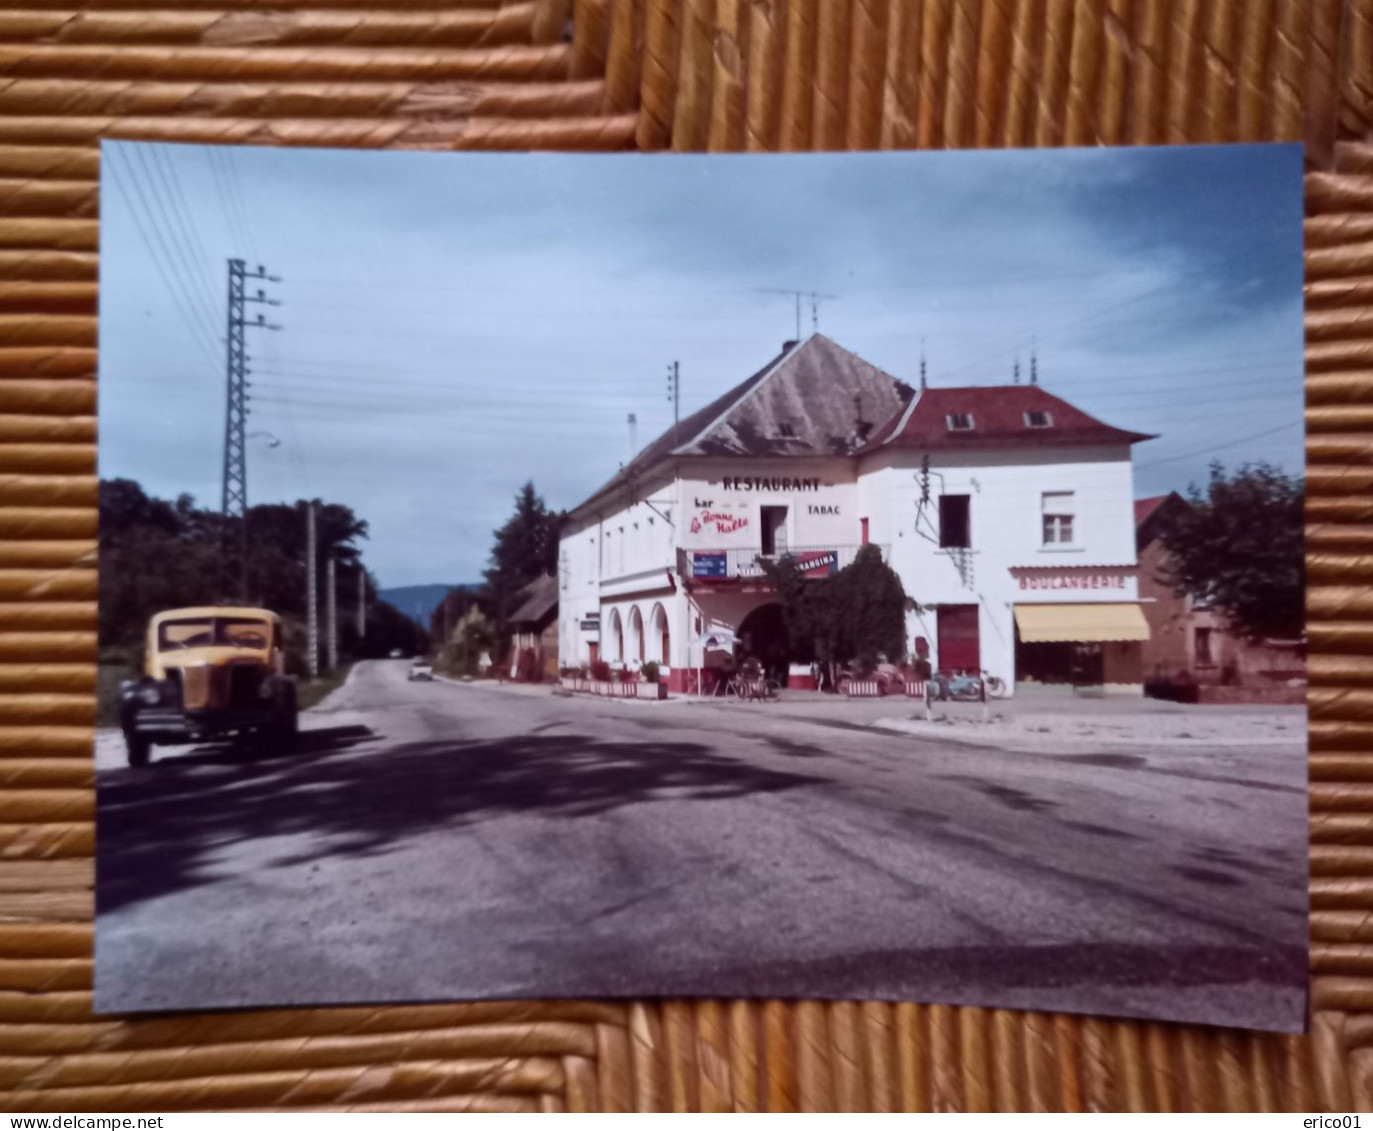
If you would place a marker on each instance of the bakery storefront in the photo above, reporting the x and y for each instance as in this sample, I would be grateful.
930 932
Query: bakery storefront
1079 626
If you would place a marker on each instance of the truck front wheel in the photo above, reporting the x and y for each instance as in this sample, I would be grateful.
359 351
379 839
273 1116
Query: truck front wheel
287 724
138 746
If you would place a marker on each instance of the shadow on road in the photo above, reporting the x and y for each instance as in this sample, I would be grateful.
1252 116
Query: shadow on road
167 828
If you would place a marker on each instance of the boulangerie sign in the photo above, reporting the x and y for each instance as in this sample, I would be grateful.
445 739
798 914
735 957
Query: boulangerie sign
1075 580
416 463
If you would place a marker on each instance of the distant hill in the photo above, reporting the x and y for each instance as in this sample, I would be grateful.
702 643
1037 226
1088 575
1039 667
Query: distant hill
419 601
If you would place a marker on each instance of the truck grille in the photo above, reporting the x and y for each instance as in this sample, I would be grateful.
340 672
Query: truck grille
243 686
195 688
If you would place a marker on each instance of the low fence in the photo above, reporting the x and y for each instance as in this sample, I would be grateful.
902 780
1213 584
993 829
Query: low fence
613 689
876 688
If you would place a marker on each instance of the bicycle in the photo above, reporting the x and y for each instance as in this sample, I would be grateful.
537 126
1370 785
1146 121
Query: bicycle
752 688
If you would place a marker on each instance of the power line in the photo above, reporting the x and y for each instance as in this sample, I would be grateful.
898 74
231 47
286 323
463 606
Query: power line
236 234
171 223
172 179
1222 447
166 270
344 372
1091 318
347 385
236 190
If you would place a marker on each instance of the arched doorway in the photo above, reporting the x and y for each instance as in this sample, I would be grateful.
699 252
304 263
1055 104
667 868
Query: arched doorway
636 635
764 635
658 640
615 639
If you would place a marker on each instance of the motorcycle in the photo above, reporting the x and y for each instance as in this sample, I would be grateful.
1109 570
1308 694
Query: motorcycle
963 687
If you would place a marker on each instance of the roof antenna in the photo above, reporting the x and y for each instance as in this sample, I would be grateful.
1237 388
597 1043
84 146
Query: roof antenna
1034 364
1015 370
922 365
797 296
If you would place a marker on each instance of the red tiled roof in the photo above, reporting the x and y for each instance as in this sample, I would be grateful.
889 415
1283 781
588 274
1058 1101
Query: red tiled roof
1150 514
1145 507
998 415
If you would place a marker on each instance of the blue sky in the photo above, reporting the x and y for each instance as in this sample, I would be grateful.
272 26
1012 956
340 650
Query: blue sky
454 324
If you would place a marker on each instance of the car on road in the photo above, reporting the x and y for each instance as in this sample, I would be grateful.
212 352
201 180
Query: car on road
421 668
209 672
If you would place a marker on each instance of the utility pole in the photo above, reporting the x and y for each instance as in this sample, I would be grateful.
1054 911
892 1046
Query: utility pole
362 602
331 605
234 501
674 395
311 592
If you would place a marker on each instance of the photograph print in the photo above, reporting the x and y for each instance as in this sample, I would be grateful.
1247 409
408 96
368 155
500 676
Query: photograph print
839 576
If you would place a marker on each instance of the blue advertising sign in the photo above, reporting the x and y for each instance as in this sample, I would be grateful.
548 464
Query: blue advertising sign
708 565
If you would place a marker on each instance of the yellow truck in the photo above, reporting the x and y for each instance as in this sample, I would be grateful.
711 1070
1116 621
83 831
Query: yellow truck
209 672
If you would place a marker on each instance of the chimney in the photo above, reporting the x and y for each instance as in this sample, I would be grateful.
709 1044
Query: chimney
633 438
789 345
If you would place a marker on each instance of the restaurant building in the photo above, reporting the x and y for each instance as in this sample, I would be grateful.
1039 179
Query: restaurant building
1007 513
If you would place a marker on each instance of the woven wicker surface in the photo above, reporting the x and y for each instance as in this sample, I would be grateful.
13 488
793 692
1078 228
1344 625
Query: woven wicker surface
653 74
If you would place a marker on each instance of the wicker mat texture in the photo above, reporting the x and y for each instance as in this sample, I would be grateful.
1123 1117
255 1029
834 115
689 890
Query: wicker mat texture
651 74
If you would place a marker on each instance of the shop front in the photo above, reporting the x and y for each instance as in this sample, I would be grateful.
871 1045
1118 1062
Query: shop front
1096 645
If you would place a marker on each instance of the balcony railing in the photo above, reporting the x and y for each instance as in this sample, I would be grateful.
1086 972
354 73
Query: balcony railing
747 562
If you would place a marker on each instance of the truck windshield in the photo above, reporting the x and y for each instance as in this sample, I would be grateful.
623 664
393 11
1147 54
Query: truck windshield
198 632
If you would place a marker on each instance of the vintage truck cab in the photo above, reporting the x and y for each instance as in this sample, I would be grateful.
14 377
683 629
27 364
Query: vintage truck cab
209 671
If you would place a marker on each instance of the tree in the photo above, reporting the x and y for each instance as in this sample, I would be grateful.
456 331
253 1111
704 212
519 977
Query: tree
454 606
1239 547
471 636
807 612
858 614
869 609
157 555
526 547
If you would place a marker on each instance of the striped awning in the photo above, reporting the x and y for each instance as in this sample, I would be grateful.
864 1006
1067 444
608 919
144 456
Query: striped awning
1043 624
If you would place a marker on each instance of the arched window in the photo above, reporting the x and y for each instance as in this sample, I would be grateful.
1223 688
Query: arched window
636 635
615 639
660 646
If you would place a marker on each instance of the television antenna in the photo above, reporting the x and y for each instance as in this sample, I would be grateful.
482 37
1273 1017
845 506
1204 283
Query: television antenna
814 297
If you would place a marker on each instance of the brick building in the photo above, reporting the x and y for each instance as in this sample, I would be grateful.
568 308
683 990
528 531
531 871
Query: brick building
1191 644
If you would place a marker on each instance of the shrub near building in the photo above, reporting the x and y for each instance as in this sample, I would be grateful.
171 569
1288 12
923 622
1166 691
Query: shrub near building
857 615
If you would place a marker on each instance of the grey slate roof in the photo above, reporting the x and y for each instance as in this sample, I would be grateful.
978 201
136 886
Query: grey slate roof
814 399
541 599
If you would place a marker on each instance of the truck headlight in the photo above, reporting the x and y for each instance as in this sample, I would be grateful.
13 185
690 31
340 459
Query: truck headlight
150 695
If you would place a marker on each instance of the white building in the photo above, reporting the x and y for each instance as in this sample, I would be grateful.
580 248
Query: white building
1007 513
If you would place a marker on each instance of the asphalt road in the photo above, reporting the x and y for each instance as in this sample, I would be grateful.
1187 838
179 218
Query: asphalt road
439 841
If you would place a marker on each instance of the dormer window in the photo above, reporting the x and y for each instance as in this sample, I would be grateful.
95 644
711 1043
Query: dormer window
960 421
1036 418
